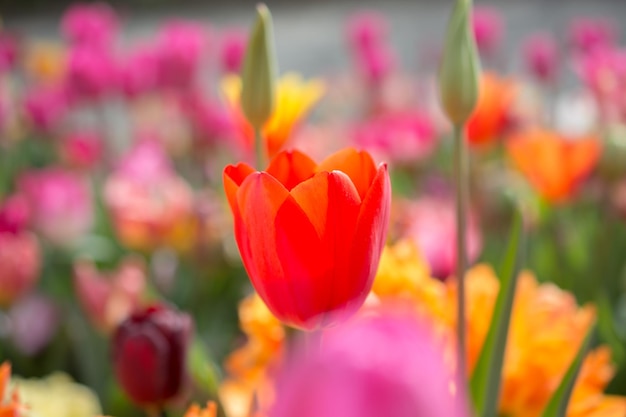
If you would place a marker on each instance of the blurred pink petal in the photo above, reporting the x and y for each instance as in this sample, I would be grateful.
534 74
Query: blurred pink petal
45 107
180 48
14 214
92 72
366 29
9 51
20 262
138 73
34 321
587 34
488 26
60 203
232 49
94 24
387 365
82 149
541 54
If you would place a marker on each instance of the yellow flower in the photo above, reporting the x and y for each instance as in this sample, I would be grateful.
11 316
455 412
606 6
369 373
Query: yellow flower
295 98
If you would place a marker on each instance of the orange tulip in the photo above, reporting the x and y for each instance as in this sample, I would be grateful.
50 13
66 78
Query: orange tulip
553 164
310 235
493 110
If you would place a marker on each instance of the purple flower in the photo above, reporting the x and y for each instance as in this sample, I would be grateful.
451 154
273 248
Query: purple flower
34 321
93 24
388 365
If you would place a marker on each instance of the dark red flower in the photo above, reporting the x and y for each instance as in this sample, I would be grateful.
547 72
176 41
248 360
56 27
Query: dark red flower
150 354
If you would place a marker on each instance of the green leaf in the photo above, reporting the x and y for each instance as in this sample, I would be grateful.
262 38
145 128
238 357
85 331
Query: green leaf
485 381
557 406
203 370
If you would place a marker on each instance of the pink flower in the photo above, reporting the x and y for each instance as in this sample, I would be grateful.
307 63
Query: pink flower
388 365
232 50
45 107
109 298
210 120
181 48
9 50
541 54
431 223
139 72
91 72
403 137
488 27
60 203
34 321
94 24
150 205
82 149
366 30
14 214
588 34
20 262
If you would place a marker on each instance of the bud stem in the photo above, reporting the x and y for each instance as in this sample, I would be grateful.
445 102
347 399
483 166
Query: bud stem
461 167
260 150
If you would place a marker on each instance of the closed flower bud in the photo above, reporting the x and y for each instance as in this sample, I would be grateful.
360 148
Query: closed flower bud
258 94
150 354
460 66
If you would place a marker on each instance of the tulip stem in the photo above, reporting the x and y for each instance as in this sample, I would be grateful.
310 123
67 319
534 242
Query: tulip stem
461 170
260 150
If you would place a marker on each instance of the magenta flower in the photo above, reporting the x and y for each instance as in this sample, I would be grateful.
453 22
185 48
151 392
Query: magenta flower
232 49
9 50
588 34
60 204
402 137
93 24
45 107
14 214
92 72
82 149
181 46
431 223
541 54
373 55
210 121
388 365
366 30
138 73
488 27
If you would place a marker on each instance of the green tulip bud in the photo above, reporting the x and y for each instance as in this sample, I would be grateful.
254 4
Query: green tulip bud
258 93
459 81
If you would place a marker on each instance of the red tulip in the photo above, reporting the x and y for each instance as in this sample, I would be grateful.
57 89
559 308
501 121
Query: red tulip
311 235
149 354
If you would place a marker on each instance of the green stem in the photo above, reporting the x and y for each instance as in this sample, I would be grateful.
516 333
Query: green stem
461 171
260 150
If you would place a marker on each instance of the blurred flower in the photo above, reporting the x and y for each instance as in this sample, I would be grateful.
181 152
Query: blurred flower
109 298
541 54
493 111
374 57
45 62
14 214
180 49
195 411
20 262
384 355
9 51
587 34
150 354
10 405
138 72
400 137
150 204
45 107
60 203
553 164
295 98
431 223
211 122
34 322
90 24
488 25
82 149
57 395
91 73
250 367
366 29
232 49
325 224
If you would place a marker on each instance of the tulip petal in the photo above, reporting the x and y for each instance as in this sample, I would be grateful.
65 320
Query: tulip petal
358 165
331 204
258 200
370 236
233 176
291 168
